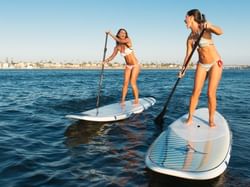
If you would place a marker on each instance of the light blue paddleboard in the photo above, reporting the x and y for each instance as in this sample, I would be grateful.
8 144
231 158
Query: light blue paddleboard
194 151
115 112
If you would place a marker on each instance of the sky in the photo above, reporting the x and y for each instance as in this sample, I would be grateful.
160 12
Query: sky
75 29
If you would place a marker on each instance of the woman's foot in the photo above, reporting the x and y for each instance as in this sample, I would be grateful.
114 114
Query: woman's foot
136 102
212 125
189 121
122 103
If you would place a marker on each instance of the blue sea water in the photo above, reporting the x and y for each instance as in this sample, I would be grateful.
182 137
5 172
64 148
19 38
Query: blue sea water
40 147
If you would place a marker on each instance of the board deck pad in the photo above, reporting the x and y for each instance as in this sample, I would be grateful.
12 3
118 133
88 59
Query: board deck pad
194 151
116 111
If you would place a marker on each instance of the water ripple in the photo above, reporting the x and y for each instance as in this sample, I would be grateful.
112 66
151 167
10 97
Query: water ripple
40 147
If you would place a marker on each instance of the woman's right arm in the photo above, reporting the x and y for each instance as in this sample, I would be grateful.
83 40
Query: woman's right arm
214 29
112 56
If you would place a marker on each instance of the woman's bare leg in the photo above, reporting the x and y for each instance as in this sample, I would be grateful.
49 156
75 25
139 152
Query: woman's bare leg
133 80
200 77
214 79
127 73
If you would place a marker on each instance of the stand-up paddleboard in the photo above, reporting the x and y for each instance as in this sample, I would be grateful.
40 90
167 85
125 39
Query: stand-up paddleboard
115 112
194 151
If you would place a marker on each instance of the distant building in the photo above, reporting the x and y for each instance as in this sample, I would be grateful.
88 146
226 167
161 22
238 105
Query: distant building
4 65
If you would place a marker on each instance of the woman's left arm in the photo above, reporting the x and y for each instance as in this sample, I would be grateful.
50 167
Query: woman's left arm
214 29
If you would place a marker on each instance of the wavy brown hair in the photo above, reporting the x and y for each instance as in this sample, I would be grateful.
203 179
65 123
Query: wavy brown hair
198 16
121 29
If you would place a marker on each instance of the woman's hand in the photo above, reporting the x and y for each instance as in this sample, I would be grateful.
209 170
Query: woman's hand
207 25
109 33
105 61
181 73
112 35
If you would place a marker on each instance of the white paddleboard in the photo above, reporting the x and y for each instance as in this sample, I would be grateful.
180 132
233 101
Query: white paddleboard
195 151
115 112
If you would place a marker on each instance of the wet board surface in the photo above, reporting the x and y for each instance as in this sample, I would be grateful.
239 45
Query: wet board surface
116 111
194 151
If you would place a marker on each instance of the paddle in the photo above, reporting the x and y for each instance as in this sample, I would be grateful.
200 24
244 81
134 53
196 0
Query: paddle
159 118
101 75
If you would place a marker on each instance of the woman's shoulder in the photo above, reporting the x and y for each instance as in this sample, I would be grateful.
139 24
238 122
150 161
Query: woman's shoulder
207 34
191 36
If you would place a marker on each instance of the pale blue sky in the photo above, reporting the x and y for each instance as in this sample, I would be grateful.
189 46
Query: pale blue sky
75 29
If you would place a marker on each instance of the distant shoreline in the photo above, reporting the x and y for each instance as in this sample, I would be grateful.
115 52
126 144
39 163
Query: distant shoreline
96 66
2 69
5 69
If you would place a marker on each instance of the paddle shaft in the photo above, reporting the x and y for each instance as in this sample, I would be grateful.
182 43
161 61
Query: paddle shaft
159 118
101 75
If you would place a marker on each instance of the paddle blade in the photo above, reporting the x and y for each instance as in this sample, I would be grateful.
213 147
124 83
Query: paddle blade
159 119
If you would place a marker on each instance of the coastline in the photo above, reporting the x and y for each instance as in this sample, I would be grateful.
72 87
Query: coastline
96 66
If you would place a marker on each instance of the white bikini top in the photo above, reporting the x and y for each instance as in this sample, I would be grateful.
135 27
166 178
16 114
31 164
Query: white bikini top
205 42
127 51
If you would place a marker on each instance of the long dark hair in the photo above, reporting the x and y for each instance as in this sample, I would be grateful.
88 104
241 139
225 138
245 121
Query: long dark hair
198 16
121 29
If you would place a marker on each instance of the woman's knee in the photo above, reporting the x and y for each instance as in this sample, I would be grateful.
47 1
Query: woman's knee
126 83
133 85
211 94
133 82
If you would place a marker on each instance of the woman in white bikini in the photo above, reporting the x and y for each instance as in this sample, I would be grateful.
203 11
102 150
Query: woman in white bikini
209 65
132 68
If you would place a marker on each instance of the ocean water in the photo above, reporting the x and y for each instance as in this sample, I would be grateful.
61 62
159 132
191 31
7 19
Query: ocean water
40 147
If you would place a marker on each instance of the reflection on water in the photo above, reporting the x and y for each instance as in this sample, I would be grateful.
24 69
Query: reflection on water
110 151
81 132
